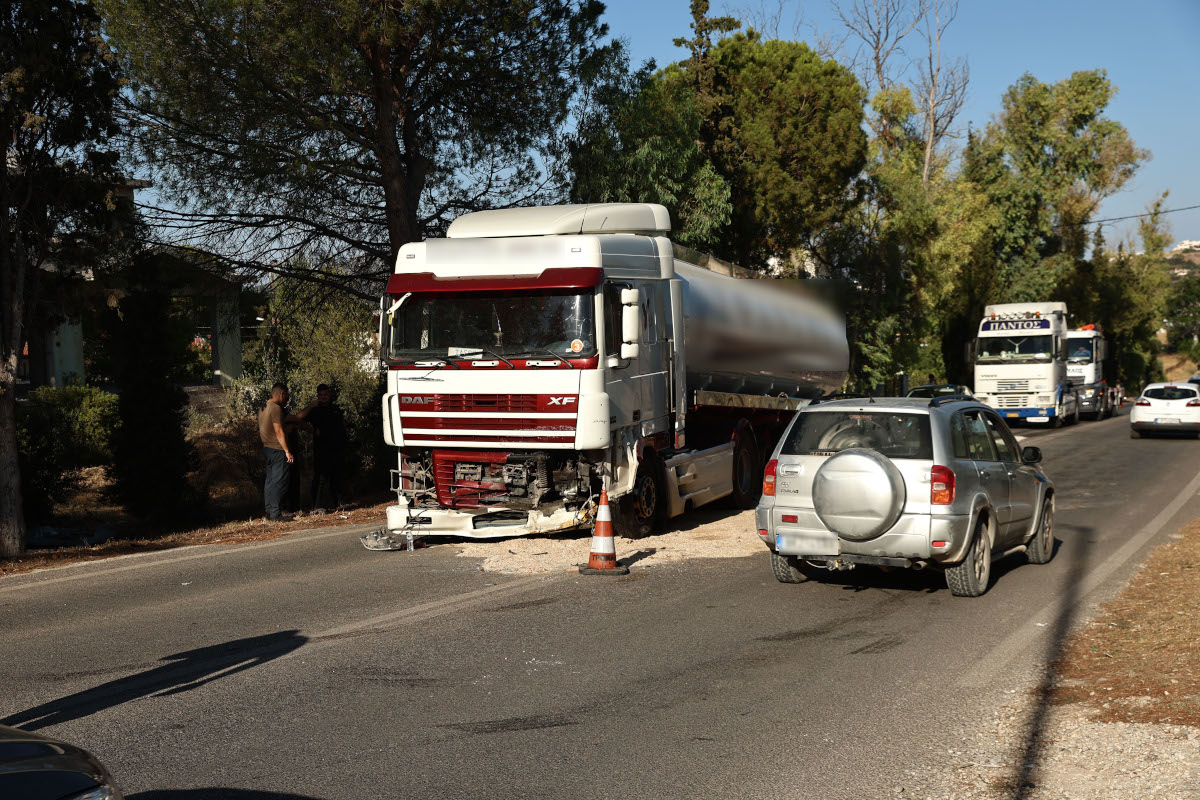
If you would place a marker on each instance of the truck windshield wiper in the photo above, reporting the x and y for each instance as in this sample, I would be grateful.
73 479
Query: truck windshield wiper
491 353
411 361
545 350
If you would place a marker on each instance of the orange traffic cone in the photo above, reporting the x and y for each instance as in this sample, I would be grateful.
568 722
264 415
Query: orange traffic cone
603 558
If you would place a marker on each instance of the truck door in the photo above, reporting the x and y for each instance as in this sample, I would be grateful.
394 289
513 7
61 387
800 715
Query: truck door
620 375
652 376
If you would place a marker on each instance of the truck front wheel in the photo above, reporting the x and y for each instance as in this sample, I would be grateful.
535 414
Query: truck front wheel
643 510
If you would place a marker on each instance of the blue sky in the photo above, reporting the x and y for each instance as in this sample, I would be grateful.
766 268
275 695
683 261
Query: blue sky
1149 49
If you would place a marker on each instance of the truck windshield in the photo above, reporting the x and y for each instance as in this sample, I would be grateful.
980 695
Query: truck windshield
1079 351
486 324
1014 349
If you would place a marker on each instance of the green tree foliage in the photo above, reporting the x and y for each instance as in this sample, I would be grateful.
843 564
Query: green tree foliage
152 456
57 188
788 140
1047 163
754 146
641 145
58 432
1183 313
312 337
342 130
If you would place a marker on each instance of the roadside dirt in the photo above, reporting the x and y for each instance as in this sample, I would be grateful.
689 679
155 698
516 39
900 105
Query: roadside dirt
1177 367
251 530
1121 717
726 533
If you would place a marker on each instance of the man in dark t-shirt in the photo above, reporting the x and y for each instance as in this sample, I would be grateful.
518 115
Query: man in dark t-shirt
329 446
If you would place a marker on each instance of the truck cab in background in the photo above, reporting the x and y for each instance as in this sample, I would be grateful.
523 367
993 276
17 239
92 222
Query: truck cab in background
1087 351
1020 360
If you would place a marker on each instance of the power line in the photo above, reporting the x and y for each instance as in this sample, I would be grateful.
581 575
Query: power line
1131 216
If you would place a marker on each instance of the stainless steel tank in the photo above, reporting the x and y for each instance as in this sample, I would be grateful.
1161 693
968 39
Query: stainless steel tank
753 336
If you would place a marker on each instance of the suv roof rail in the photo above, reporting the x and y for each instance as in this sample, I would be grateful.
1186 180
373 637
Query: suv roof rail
843 396
949 398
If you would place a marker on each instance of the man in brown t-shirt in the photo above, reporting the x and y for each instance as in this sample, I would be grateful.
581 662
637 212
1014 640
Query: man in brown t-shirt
278 456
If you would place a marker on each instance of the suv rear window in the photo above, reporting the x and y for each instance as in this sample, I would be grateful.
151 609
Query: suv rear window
1171 393
894 435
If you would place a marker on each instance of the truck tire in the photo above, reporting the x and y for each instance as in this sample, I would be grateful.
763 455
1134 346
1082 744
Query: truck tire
1075 417
747 473
1041 546
642 511
790 569
970 577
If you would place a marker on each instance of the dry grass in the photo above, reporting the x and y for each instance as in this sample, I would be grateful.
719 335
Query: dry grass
251 530
1177 367
1139 659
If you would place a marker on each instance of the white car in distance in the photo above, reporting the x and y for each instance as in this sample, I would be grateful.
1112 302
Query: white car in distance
1166 408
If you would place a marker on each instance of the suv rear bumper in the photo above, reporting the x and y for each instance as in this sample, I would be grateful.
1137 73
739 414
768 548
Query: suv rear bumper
911 538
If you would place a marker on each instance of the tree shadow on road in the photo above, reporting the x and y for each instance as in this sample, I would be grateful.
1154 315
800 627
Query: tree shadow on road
1082 539
215 793
185 671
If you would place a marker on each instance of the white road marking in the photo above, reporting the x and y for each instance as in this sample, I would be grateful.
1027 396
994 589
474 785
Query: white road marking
987 670
418 613
13 583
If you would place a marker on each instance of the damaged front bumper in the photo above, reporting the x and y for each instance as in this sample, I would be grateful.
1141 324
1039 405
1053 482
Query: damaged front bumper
406 524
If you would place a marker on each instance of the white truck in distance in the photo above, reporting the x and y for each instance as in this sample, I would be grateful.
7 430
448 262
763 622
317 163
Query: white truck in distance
537 355
1021 363
1086 351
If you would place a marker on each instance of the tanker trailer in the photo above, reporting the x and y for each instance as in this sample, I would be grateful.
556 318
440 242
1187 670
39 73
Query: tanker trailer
535 356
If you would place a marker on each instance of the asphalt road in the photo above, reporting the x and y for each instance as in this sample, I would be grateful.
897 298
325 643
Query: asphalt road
312 668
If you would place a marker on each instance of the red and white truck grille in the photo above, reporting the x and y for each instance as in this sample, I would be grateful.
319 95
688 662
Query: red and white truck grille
488 419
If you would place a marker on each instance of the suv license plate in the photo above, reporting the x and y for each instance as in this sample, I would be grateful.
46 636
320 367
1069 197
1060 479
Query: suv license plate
807 544
1167 421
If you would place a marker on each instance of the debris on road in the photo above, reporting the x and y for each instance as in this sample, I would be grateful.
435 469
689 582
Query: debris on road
703 534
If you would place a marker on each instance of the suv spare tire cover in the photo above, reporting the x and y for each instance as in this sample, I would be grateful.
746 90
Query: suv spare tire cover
858 494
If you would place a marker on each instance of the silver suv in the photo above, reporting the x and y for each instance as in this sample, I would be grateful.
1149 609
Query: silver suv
903 482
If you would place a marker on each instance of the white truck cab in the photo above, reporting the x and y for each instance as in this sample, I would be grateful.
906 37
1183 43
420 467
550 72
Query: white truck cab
1021 363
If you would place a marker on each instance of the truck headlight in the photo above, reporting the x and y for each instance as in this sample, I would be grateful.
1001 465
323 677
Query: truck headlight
1089 392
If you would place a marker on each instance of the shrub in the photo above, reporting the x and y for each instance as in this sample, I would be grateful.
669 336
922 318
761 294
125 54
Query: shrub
60 431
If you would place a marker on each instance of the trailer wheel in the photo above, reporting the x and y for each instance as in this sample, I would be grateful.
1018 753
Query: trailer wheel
747 473
643 510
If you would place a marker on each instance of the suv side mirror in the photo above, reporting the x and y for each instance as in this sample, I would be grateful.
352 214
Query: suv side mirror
1031 455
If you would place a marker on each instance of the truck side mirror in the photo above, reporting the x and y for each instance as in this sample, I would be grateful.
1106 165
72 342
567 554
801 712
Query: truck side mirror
383 328
631 320
629 350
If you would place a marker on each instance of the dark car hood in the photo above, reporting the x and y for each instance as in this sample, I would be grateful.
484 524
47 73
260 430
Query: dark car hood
55 767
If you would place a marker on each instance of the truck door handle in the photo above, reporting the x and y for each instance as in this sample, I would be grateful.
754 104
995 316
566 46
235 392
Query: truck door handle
637 415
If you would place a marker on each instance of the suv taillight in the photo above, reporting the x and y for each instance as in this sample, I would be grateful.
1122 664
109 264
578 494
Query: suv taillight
1142 402
941 492
769 478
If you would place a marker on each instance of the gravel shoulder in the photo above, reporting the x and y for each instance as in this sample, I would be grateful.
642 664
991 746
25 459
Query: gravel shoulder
1116 717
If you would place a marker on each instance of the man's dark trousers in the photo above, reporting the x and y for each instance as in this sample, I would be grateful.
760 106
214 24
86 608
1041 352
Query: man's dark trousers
276 483
327 475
